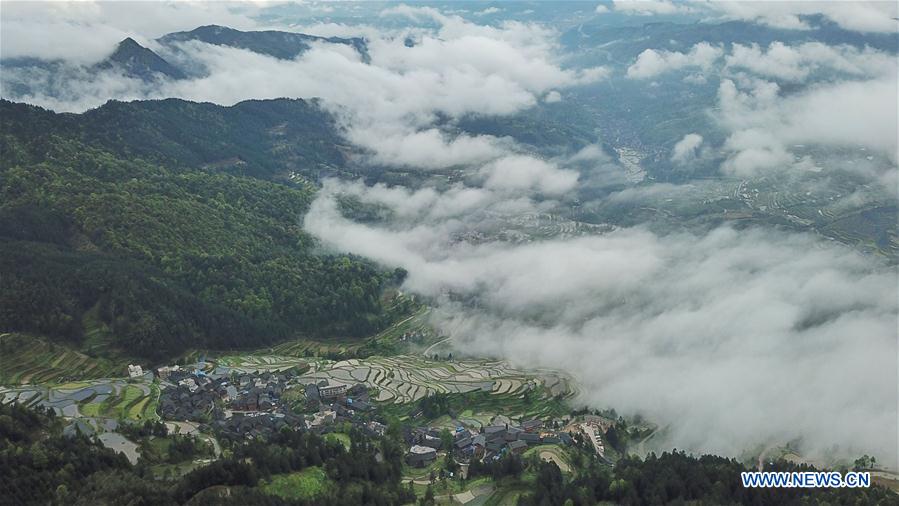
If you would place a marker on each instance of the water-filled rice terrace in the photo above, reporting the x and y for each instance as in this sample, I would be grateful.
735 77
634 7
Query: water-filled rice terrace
259 363
408 378
108 398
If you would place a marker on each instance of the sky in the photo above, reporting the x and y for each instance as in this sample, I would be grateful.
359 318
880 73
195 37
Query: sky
730 338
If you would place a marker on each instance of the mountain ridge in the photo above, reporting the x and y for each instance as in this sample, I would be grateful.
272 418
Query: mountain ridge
276 43
138 61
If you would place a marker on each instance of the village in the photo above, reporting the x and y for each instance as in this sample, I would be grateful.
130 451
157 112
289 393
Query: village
230 399
239 404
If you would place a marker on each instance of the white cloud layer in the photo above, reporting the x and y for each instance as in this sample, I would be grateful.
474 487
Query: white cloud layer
733 338
650 7
779 61
88 31
795 63
390 106
686 149
763 123
651 62
861 16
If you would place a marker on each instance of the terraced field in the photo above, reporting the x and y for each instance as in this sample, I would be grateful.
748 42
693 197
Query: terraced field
30 360
310 348
260 363
116 398
408 378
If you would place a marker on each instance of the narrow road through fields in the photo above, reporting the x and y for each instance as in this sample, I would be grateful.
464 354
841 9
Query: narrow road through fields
427 352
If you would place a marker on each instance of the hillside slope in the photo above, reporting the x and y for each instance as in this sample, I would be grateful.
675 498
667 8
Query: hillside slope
120 212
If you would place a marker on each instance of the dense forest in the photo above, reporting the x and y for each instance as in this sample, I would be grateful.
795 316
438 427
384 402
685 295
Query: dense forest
124 225
267 139
678 478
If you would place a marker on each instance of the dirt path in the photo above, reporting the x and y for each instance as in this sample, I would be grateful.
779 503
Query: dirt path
216 449
427 352
552 456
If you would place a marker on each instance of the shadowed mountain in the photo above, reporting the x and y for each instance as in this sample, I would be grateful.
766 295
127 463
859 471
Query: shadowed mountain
137 61
281 45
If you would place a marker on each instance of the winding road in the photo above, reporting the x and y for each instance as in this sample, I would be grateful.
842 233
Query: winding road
427 352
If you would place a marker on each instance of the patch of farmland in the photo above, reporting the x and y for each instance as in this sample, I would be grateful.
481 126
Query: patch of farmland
360 374
28 359
100 398
259 363
408 378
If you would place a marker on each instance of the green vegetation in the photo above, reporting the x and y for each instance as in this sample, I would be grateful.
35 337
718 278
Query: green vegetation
40 466
106 249
28 359
480 407
387 342
130 397
339 437
680 478
306 484
266 139
108 398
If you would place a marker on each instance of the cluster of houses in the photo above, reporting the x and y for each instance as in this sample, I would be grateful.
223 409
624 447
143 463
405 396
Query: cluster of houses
594 427
247 405
194 395
337 403
249 425
490 442
415 336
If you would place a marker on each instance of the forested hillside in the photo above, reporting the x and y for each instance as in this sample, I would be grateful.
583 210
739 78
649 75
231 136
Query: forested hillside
39 464
159 226
268 139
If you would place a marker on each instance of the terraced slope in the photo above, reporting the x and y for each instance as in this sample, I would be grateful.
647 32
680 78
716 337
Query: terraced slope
30 360
109 398
408 378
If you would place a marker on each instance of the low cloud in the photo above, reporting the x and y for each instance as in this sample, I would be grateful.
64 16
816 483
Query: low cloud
795 63
87 32
488 11
389 106
650 7
552 97
525 173
686 149
651 62
764 124
861 16
791 63
732 339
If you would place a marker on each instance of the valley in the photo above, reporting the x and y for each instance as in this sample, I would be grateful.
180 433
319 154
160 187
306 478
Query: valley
481 253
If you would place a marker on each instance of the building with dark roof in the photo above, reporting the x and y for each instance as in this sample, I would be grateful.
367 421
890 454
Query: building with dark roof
517 446
420 456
